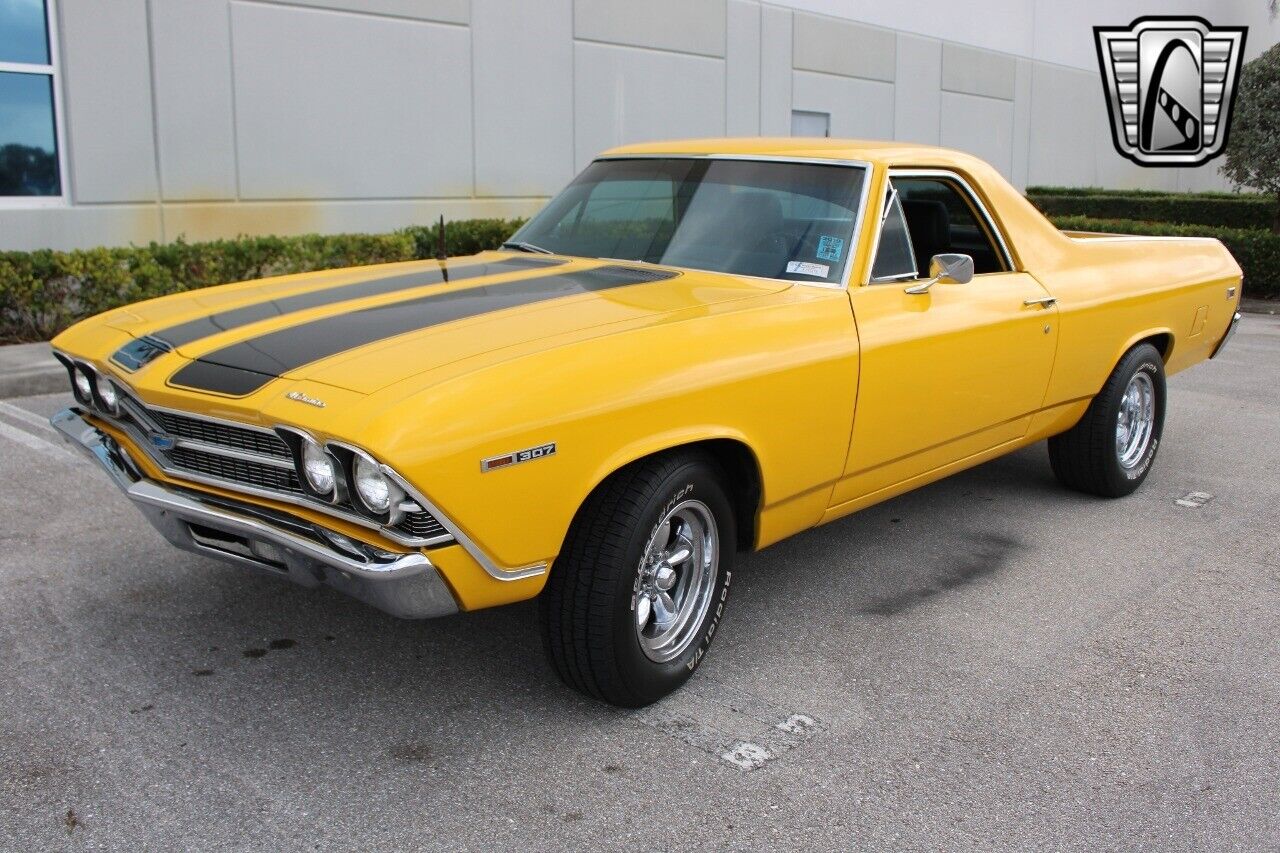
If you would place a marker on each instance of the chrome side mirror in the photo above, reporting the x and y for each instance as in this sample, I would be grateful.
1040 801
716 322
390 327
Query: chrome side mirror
948 269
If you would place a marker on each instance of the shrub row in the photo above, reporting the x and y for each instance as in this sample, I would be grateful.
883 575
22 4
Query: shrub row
1257 252
44 292
1048 190
1232 211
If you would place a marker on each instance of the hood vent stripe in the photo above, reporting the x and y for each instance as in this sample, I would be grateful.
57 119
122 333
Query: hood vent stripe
243 368
203 327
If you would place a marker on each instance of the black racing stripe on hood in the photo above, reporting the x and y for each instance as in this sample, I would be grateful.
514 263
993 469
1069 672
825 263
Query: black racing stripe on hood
243 368
203 327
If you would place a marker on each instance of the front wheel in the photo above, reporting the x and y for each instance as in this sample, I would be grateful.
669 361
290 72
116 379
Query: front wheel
636 596
1111 450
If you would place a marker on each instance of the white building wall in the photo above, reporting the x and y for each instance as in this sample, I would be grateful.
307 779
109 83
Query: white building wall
211 118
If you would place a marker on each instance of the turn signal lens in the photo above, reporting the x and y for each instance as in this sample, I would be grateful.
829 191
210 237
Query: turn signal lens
317 467
372 485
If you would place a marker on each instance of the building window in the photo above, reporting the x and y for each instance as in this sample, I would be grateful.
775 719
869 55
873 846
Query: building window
30 157
806 123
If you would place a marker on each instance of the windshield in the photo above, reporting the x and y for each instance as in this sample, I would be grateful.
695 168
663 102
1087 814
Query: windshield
789 220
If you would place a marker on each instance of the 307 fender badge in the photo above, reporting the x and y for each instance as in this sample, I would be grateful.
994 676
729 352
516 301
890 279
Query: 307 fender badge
506 460
303 398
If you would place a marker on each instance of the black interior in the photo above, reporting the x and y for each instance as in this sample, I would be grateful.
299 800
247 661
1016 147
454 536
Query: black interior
930 227
942 221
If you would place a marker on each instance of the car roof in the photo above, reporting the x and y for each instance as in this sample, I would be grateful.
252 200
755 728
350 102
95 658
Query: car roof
872 151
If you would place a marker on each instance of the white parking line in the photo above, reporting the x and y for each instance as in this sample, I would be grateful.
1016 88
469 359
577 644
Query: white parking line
36 443
26 417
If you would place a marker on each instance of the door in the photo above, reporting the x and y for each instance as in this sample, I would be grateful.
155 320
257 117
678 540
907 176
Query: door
951 372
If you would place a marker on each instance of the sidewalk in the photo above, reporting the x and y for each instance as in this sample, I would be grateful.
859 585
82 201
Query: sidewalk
27 369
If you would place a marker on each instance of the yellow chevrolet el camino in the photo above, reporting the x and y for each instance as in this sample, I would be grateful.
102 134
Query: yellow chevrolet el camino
698 348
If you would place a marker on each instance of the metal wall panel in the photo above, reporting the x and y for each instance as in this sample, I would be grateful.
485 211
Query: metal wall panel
977 72
775 71
833 46
623 94
217 117
343 106
981 126
859 109
1066 106
742 69
195 124
523 109
107 77
917 106
444 11
686 26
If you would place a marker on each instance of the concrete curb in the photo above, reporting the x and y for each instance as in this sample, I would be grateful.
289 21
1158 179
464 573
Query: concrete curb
1259 306
27 369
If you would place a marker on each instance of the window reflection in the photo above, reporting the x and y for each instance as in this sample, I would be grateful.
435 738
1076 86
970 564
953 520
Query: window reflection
22 32
28 150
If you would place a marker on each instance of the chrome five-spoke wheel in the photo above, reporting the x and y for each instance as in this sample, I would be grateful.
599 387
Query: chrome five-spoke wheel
675 581
1135 421
641 584
1110 450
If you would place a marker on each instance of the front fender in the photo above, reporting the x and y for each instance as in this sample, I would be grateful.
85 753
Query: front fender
780 379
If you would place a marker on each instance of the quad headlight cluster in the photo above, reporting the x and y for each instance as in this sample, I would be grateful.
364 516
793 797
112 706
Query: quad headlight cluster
343 475
91 387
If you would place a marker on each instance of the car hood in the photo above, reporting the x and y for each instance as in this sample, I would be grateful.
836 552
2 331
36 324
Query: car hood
367 328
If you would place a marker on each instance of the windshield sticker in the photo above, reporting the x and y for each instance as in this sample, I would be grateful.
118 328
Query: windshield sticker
820 270
830 248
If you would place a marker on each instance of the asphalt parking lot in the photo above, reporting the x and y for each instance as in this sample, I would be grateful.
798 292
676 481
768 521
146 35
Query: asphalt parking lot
987 662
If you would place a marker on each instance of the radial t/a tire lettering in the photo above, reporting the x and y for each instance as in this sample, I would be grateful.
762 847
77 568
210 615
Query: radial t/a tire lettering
1110 451
636 596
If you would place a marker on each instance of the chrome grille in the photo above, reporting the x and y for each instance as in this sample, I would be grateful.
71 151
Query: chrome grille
421 525
254 459
224 435
235 470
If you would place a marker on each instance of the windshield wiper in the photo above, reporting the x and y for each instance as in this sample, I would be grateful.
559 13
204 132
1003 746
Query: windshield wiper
526 247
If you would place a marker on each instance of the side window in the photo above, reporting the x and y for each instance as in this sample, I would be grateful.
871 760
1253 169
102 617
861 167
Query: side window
29 93
894 258
942 218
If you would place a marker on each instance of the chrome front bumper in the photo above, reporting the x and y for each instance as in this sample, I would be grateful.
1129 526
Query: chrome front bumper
279 544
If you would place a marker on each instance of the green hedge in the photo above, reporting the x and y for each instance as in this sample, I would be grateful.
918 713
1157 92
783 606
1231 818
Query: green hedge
1251 211
1048 190
44 292
1257 252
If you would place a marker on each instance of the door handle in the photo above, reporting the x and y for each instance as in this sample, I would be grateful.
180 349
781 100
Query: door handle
1045 301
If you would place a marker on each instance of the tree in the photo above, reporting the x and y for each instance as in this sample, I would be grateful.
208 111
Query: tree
1253 147
26 170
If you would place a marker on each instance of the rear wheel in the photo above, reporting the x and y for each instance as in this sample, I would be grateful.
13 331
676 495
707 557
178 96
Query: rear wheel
1111 450
636 596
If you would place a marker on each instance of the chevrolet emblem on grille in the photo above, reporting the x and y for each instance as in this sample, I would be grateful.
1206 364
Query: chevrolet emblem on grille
1169 84
161 442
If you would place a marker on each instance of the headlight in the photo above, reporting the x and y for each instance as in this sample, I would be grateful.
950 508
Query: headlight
107 394
84 387
317 467
373 487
